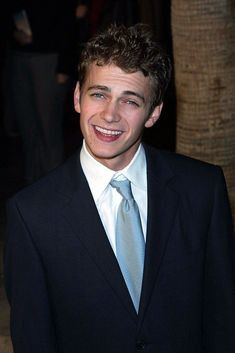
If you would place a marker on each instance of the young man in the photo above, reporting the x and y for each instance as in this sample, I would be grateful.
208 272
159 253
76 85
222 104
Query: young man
70 287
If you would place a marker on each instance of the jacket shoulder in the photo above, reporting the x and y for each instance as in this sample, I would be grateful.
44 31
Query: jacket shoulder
60 180
183 165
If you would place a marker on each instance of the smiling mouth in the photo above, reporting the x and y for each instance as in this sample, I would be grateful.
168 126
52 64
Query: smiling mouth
108 132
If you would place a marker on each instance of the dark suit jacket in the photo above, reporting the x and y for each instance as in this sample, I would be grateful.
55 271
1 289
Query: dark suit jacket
64 285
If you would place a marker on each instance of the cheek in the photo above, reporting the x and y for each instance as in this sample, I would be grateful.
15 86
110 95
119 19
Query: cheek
137 123
87 119
90 108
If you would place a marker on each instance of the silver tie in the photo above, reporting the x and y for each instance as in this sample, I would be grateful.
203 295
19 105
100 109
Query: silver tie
130 244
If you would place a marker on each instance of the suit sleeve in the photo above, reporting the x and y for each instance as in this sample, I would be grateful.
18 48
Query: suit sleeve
219 300
32 328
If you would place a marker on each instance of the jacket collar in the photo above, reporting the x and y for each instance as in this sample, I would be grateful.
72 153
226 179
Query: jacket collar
162 207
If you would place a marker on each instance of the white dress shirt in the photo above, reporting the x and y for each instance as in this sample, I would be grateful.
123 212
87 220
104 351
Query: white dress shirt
106 198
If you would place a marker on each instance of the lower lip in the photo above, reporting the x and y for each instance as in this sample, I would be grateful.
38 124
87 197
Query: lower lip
106 138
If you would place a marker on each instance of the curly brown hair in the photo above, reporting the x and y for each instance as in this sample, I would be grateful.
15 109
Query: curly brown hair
132 49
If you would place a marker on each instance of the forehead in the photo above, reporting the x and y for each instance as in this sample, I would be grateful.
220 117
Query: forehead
114 78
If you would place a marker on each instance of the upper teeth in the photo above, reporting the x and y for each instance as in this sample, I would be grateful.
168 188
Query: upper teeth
107 132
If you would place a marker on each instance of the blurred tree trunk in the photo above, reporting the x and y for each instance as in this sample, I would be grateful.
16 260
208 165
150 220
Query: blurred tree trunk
203 33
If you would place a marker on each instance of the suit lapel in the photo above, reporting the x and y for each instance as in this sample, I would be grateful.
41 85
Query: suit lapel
162 207
81 213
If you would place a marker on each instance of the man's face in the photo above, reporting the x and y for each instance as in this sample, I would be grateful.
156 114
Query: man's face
114 109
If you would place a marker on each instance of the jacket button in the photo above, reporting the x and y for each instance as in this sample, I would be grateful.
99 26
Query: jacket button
140 345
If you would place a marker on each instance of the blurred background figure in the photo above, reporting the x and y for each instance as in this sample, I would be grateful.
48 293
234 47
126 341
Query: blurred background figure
83 31
40 61
72 134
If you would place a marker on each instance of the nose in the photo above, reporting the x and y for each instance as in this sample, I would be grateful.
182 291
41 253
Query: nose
110 112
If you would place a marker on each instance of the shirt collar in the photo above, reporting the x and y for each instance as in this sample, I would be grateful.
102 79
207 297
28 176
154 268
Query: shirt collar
135 171
99 176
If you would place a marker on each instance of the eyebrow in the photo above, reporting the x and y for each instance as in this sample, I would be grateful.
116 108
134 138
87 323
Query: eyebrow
131 93
126 93
102 88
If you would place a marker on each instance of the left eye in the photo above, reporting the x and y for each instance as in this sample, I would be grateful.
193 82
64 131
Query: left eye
132 103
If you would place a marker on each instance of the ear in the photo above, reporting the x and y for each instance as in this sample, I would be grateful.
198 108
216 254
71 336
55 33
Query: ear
155 115
76 98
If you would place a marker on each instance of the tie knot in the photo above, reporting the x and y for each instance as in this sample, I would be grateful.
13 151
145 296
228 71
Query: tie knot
123 187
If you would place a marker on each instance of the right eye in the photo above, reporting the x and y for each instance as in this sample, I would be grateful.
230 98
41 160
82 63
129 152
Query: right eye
97 95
